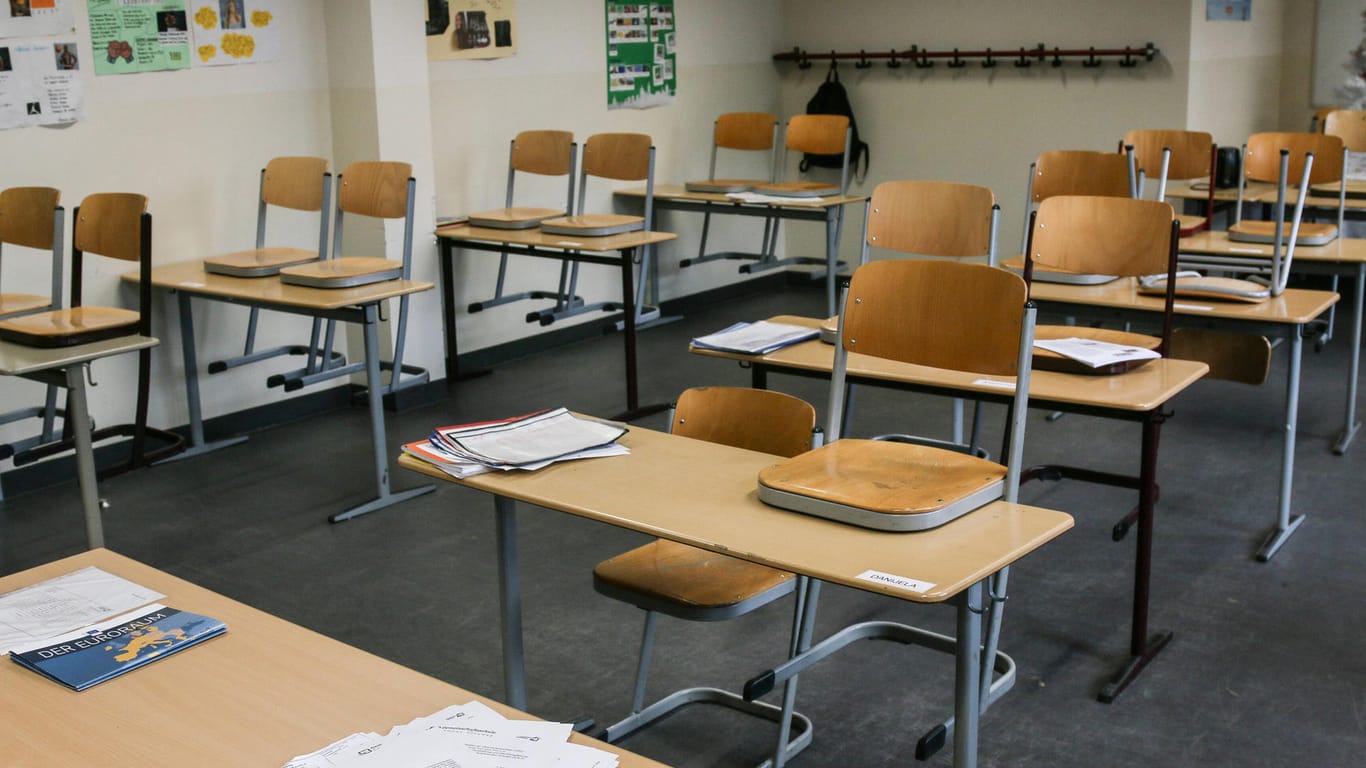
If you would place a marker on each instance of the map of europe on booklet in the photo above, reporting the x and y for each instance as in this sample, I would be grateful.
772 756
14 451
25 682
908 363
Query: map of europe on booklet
89 656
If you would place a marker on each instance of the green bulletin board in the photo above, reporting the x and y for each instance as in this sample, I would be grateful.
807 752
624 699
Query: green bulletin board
641 69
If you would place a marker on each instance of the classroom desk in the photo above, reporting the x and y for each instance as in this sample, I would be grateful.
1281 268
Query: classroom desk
359 304
66 367
1283 317
1344 257
829 209
706 495
613 250
260 694
1138 395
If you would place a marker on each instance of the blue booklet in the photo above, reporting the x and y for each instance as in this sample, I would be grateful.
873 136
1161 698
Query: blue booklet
102 651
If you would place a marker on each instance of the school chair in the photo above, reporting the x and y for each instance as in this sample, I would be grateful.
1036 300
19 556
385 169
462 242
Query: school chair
737 132
1174 155
1348 125
1320 118
673 579
816 135
1073 172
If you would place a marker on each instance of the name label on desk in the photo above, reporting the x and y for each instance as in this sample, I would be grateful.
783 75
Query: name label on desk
1193 307
900 582
994 383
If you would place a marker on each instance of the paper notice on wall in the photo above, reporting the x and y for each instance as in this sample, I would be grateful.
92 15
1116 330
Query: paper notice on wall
31 18
128 36
235 31
471 29
40 83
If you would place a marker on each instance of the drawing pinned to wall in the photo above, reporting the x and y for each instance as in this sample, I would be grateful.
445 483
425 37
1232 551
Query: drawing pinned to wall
235 31
1228 10
471 29
131 36
40 84
641 58
30 18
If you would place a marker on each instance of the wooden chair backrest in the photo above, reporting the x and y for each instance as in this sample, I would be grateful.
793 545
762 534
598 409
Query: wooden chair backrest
936 218
1080 172
817 134
753 419
1321 117
1103 235
945 314
1262 160
110 224
547 153
294 182
744 130
620 156
376 188
27 216
1237 357
1348 125
1190 152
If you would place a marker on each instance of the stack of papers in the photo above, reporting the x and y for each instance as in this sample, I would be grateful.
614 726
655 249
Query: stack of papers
462 736
755 338
758 197
1095 353
525 442
45 610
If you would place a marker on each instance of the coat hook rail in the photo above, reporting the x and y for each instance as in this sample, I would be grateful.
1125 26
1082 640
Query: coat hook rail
924 58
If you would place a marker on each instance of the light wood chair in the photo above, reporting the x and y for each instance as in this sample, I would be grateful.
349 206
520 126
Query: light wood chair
1320 118
1073 172
1348 125
32 218
666 577
816 135
738 132
1174 155
114 225
546 153
293 183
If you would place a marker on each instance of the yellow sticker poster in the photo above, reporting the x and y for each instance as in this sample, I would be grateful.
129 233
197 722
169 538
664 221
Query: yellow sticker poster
235 31
471 29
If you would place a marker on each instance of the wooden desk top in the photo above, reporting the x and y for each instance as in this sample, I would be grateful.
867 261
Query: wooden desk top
679 192
1295 306
265 691
538 239
706 495
20 359
189 276
1140 390
1354 201
1254 189
1346 250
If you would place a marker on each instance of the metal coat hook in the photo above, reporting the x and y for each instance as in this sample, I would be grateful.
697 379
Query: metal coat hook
1128 61
1091 60
863 62
834 62
802 61
922 61
1057 57
988 62
957 63
1023 62
892 63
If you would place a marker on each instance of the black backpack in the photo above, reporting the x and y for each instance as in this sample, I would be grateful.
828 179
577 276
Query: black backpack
831 99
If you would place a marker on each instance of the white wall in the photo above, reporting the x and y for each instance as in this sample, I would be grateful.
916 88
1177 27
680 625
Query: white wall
1235 72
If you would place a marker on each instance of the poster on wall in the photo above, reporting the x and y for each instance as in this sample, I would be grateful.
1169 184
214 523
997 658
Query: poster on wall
29 18
235 31
1228 10
640 55
471 29
40 83
128 36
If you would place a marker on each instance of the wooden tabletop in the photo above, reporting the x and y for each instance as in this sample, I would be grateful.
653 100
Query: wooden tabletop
706 495
537 238
679 192
189 276
1253 191
1142 389
1347 250
265 691
20 359
1295 306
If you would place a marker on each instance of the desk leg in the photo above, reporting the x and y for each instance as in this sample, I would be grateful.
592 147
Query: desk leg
628 324
374 394
191 360
79 418
1285 525
510 588
967 677
1350 425
446 264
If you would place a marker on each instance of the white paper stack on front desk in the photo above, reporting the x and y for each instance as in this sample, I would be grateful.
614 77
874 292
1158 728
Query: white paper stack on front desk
525 442
755 338
461 736
1096 353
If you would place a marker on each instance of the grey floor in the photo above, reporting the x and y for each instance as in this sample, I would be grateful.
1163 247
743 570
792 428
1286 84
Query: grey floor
1266 669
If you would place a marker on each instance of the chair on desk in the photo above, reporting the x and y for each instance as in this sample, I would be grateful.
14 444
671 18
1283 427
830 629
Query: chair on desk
1170 154
666 577
748 132
32 218
540 153
115 225
294 183
1073 172
617 157
378 190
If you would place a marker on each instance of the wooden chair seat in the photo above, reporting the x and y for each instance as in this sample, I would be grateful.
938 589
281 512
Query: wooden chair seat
10 303
675 578
1311 232
514 218
69 327
881 484
1190 223
593 224
1221 288
258 262
1044 273
343 272
1048 360
797 189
